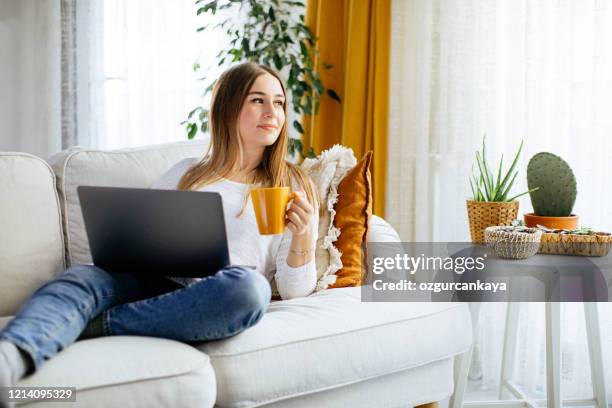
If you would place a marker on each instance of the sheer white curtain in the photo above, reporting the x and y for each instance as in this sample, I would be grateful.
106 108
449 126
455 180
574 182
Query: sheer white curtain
539 70
143 73
30 75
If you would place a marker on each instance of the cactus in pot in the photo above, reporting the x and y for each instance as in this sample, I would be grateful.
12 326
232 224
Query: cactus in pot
554 200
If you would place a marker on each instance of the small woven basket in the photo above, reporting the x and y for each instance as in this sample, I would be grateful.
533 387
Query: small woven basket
483 214
513 243
578 245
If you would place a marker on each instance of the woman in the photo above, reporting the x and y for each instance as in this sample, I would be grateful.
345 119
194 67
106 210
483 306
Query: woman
248 148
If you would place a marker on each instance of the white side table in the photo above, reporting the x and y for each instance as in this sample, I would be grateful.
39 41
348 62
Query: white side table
553 363
510 394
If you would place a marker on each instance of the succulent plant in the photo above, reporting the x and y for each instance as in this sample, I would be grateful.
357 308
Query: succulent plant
485 187
557 193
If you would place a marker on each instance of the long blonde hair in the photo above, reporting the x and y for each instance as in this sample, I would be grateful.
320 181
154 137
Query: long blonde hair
228 97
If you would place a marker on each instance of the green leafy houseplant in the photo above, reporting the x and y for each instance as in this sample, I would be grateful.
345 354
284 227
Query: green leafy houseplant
492 204
269 34
485 187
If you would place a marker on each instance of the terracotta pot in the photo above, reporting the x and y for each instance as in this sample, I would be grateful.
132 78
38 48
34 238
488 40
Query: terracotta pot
569 222
483 214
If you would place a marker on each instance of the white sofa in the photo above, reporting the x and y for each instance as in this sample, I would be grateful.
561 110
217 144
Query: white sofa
325 350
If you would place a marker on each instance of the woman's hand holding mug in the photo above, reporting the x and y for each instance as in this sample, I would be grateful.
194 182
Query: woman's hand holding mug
270 206
299 214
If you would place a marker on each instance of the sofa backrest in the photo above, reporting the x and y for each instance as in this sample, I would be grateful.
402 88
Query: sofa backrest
31 240
134 167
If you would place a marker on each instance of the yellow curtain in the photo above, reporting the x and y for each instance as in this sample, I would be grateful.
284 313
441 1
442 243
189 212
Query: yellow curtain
354 37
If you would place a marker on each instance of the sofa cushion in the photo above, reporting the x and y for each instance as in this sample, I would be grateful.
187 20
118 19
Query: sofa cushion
407 388
380 230
353 214
326 171
331 339
130 371
134 167
31 243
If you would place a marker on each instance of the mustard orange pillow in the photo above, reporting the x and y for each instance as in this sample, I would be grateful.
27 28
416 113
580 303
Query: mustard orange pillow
353 213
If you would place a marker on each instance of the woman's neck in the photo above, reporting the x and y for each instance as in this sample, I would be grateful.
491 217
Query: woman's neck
237 179
251 160
242 176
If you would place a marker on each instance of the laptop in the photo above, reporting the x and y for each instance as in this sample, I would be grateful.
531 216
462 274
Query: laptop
155 232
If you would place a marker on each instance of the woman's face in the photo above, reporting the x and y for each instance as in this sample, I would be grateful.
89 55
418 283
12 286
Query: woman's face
262 116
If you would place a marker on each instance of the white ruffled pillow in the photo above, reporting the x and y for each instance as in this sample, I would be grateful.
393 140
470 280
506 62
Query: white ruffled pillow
326 171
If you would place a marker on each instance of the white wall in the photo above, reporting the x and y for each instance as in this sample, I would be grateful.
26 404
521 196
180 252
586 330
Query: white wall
30 97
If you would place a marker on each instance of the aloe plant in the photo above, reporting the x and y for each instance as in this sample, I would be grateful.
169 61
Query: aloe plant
486 187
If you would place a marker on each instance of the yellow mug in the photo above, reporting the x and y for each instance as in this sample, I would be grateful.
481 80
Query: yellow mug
270 205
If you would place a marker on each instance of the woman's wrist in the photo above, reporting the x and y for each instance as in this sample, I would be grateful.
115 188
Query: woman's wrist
301 242
301 250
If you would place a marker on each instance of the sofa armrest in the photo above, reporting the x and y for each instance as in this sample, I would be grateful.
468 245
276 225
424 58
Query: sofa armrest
380 230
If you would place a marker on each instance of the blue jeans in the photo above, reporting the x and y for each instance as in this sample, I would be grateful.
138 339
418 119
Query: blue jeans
219 306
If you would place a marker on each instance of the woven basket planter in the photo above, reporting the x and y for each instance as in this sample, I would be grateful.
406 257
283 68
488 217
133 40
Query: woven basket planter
513 242
483 214
598 244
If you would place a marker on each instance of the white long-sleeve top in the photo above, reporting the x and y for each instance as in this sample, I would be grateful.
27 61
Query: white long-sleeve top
268 253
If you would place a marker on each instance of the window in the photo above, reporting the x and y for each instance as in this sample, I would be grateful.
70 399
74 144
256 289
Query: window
142 79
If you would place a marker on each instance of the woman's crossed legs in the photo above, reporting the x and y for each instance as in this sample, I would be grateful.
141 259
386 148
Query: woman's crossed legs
218 306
